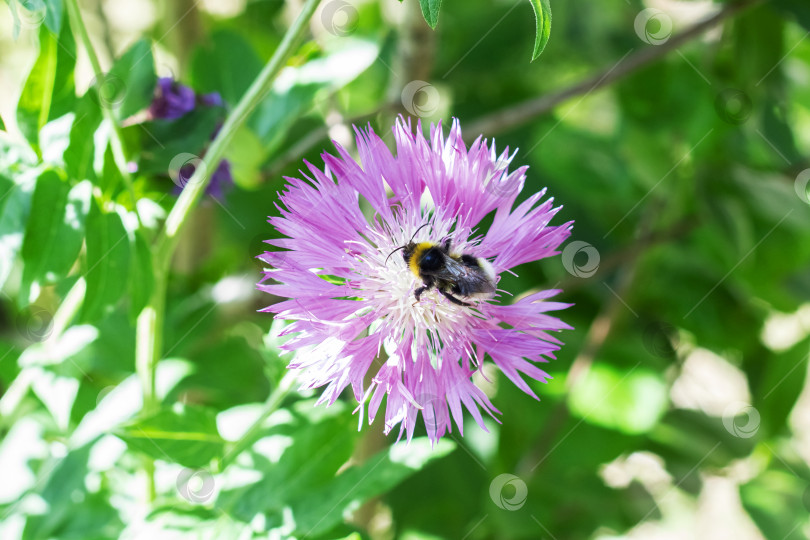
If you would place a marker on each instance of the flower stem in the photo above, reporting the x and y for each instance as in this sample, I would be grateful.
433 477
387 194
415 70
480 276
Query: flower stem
196 185
116 141
149 329
270 406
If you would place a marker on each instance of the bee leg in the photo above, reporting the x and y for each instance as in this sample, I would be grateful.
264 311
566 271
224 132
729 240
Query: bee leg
447 245
453 298
418 292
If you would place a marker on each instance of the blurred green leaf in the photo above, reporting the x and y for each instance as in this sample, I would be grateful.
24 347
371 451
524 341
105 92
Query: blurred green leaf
187 436
631 401
778 502
62 484
15 205
135 70
48 92
80 151
107 262
35 100
54 15
776 390
797 8
430 10
55 231
226 64
325 508
542 14
296 88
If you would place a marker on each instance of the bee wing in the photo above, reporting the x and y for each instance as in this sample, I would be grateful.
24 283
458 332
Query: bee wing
468 278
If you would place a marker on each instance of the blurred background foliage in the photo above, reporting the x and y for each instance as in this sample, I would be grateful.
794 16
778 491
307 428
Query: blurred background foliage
678 407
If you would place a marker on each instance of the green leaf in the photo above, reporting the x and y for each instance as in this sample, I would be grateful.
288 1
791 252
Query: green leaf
48 92
55 230
430 10
35 100
542 15
2 124
774 500
15 205
325 508
142 280
188 437
226 64
631 402
80 151
107 261
53 15
130 84
294 92
63 479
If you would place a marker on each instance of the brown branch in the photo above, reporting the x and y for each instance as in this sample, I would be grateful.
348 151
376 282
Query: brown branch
522 113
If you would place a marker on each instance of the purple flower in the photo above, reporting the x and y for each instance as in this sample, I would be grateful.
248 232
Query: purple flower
211 100
349 300
172 99
221 179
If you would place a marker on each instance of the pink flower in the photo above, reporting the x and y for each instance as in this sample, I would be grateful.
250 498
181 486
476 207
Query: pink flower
353 308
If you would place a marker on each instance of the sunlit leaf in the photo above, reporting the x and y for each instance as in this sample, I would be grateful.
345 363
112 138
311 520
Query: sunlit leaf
430 10
542 14
107 262
187 436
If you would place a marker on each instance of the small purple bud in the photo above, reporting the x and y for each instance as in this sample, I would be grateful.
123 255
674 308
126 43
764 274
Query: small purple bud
172 100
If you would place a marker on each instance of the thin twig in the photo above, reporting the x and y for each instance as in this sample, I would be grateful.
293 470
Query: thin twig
522 113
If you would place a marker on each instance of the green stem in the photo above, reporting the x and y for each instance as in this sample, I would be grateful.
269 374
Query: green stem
270 406
196 185
148 346
116 141
150 320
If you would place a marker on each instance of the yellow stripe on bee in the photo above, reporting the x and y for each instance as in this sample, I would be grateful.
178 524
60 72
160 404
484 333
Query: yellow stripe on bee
418 251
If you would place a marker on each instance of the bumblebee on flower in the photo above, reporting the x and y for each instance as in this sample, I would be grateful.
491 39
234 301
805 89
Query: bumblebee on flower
434 308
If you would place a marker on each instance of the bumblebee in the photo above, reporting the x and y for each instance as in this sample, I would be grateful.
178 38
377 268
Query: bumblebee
452 274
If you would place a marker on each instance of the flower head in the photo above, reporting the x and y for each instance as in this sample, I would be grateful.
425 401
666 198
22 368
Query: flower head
349 297
172 99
